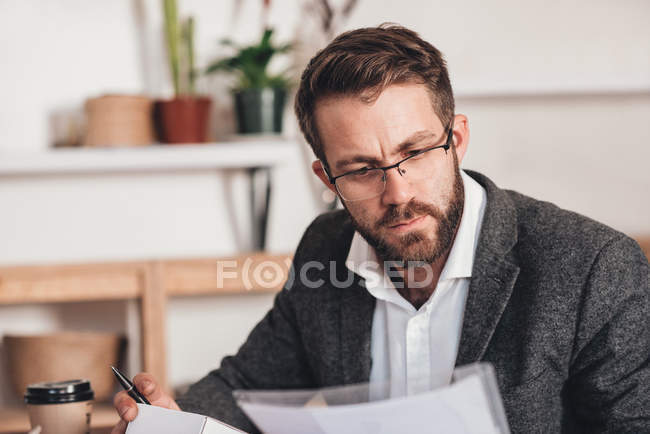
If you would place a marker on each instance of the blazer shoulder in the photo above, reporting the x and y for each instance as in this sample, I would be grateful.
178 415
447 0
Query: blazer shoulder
546 218
549 234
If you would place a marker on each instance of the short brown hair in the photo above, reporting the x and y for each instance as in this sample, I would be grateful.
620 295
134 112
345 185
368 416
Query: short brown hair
364 62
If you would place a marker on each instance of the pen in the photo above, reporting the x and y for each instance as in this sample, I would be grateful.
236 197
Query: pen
130 388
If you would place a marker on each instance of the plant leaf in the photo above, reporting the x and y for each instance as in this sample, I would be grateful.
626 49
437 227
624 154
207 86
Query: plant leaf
249 63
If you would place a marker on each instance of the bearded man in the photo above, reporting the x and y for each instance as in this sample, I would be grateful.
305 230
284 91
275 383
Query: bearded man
429 267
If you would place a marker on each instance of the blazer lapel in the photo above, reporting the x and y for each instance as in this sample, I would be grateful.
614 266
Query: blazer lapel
488 295
493 274
357 309
346 314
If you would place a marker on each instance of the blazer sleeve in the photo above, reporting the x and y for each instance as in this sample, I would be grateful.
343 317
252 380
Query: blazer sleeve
609 378
271 358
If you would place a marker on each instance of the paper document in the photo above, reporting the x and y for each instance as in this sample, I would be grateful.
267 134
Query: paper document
470 405
152 419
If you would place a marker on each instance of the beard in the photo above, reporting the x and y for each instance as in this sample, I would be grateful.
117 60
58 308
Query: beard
418 245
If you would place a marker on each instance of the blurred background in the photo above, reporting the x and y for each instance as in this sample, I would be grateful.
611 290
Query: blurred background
557 95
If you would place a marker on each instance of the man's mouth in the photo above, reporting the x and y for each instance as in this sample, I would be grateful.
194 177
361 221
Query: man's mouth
406 224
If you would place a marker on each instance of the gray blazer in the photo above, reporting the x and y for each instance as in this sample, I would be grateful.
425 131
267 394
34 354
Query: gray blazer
558 303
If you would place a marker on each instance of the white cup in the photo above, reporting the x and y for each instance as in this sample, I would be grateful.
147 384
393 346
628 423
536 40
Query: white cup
62 407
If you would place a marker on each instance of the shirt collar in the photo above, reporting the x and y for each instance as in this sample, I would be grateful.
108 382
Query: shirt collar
362 258
461 257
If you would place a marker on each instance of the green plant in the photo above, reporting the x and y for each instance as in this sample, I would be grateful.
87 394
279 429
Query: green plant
180 49
249 64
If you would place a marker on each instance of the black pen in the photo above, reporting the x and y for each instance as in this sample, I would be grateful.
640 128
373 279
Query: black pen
130 388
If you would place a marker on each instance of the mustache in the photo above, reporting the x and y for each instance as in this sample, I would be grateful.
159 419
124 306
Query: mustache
413 208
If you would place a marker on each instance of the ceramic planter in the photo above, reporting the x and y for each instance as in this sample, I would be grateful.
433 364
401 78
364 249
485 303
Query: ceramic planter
183 120
260 110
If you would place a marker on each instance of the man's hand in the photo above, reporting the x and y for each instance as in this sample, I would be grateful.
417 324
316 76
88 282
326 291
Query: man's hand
128 410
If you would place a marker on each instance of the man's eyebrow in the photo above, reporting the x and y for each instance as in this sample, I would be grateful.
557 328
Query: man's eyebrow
412 140
357 159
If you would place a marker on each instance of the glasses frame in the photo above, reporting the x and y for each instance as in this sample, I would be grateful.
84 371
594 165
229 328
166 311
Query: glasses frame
446 146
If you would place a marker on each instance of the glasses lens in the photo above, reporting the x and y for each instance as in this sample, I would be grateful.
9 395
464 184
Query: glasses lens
361 185
418 167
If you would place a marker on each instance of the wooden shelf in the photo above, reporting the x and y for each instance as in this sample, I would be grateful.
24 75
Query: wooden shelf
66 283
264 151
15 420
255 272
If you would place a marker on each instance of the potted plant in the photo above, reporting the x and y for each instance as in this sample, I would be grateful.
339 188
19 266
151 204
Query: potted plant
259 96
183 119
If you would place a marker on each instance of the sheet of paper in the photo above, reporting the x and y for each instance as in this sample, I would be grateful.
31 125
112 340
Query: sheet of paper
285 420
152 419
461 408
458 409
213 426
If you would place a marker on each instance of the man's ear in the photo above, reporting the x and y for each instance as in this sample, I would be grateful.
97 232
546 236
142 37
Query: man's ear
318 169
461 136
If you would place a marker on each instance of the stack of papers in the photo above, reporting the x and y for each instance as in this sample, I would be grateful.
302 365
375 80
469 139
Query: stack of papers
470 405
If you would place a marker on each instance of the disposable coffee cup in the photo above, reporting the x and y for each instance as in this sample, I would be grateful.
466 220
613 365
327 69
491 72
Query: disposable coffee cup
62 407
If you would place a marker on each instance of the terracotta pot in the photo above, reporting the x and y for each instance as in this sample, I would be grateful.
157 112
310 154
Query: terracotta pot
183 120
64 356
119 120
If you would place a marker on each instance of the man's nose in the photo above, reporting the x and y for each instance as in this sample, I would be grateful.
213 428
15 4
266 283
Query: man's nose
398 188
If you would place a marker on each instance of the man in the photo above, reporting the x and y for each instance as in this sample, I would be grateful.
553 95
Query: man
430 267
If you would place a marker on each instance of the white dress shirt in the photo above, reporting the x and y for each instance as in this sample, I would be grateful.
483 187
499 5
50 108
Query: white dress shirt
415 349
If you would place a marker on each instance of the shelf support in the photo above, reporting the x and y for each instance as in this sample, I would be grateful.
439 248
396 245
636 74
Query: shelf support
260 197
153 310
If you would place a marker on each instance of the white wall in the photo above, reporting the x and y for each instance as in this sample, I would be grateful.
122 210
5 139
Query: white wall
510 44
56 54
586 153
557 94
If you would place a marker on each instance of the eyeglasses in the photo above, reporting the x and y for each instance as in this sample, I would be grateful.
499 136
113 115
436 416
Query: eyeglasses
366 183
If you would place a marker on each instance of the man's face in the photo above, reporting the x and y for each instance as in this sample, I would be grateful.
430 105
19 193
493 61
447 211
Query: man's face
411 220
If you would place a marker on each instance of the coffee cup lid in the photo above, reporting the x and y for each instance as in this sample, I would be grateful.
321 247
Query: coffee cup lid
59 392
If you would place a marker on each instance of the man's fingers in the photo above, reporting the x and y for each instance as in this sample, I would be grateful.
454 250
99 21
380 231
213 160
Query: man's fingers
120 428
125 406
149 387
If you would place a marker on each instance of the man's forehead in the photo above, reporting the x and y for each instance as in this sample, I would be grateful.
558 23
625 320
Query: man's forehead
394 108
349 126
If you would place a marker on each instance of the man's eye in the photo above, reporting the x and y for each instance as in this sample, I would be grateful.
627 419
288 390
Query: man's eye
361 173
